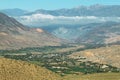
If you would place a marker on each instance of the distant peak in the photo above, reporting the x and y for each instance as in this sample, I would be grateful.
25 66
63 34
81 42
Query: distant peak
9 22
97 5
81 6
91 6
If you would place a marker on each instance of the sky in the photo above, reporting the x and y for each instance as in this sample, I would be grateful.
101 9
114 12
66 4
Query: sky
51 4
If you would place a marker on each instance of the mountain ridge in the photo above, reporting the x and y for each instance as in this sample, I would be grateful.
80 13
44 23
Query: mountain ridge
92 10
14 12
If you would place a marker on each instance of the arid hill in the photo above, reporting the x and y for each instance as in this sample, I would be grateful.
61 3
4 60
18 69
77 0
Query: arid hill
105 55
18 70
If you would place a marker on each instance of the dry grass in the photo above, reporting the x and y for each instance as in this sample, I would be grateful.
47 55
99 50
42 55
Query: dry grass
18 70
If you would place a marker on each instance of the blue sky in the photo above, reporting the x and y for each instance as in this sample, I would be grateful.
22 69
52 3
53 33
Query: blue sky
51 4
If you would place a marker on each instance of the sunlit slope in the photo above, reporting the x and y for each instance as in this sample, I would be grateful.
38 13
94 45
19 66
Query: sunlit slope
105 55
18 70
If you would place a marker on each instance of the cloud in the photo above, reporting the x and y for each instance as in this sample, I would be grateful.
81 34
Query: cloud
51 17
46 19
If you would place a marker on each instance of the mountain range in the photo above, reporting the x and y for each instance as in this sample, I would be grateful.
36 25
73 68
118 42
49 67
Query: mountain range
93 10
78 15
97 23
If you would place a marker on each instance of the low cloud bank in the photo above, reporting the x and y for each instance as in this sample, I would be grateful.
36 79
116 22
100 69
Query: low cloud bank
43 19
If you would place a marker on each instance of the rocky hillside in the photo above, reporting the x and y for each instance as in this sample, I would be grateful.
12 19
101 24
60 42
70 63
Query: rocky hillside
18 70
15 35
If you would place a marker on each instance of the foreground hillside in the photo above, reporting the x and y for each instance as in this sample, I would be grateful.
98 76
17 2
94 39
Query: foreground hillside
18 70
104 55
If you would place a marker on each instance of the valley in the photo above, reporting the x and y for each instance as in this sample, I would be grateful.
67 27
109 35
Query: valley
62 59
22 70
80 43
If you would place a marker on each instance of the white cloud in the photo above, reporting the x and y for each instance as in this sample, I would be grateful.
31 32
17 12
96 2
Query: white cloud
35 17
44 19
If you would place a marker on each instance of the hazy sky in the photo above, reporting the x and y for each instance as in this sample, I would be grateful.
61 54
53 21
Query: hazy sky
51 4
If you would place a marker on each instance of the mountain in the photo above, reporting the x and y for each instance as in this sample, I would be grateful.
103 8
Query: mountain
100 33
15 35
65 31
14 12
95 33
93 10
19 70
